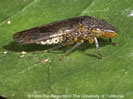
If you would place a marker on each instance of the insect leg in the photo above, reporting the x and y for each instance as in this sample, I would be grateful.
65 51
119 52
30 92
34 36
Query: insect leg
113 43
97 46
110 40
70 50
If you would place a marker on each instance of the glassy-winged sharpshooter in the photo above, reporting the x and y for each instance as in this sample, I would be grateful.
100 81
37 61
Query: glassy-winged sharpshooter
66 32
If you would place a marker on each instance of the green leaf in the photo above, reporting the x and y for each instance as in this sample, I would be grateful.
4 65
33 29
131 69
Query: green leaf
42 75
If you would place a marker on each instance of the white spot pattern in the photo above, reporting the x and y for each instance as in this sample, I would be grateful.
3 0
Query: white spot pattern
55 40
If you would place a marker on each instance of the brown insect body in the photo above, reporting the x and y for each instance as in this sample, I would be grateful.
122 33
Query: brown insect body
72 30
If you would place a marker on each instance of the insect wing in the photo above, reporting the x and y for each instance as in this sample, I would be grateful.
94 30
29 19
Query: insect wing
48 31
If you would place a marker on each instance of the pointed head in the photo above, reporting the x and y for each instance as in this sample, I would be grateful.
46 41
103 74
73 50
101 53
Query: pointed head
103 29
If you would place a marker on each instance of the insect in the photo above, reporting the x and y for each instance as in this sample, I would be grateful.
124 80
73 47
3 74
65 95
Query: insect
73 31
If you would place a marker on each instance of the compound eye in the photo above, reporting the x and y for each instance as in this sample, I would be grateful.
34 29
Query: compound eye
96 30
